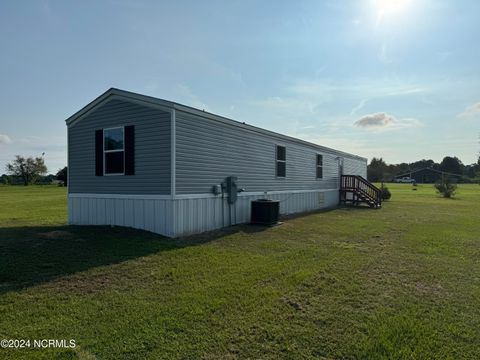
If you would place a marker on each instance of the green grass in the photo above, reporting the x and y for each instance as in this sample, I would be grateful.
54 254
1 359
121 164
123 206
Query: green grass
402 282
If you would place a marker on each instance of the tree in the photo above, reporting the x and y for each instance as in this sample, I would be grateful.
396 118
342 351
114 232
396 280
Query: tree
422 164
452 165
377 170
62 175
28 169
4 179
402 168
472 170
477 173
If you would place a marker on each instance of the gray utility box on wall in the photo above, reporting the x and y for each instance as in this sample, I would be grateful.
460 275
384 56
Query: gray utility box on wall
265 211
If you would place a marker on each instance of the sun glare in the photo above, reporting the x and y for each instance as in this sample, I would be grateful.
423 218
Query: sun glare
385 8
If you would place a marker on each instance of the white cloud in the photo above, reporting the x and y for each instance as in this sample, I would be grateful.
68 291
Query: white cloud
471 111
375 120
322 103
358 107
382 121
324 91
5 139
306 127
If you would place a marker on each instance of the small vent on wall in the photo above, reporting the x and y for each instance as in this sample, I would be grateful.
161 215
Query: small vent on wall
321 198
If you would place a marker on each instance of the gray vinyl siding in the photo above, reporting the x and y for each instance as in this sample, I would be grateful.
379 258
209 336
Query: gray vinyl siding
152 150
355 167
207 151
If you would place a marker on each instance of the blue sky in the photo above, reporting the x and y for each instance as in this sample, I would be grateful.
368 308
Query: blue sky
398 79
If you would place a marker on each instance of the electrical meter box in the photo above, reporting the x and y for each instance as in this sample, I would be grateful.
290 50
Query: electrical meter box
232 189
217 189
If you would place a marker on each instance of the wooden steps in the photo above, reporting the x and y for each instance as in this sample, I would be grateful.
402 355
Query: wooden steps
356 190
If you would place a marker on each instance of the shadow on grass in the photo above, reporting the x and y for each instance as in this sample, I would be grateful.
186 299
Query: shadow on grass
34 255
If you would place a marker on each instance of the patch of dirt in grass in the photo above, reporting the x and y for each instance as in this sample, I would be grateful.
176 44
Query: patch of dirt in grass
84 354
395 281
115 277
98 282
319 284
56 234
295 304
327 278
265 282
426 289
350 243
83 284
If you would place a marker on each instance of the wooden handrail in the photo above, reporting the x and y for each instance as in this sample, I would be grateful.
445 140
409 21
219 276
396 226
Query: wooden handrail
356 183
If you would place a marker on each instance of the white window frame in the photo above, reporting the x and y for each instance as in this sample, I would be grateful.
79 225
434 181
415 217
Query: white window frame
280 161
112 151
318 166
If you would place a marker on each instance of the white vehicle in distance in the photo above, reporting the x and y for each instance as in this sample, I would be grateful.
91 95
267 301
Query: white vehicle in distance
405 180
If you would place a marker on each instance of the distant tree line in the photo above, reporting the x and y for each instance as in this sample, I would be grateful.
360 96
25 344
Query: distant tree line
30 170
378 170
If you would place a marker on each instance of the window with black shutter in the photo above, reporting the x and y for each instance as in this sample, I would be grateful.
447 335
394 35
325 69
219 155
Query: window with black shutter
130 150
99 152
281 161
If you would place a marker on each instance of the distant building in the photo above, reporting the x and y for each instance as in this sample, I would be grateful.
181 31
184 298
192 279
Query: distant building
429 175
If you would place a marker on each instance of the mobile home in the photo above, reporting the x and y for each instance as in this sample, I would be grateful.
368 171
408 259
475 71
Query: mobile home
147 163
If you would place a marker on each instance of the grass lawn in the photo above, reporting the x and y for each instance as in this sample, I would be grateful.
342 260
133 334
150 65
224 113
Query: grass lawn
402 282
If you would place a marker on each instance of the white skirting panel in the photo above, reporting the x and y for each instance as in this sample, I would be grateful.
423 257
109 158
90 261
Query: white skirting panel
185 214
152 214
196 215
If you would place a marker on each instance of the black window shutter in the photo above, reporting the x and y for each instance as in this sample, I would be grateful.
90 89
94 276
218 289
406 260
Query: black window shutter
99 152
130 150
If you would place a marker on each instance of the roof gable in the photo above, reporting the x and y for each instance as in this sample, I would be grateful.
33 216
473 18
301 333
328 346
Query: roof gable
113 94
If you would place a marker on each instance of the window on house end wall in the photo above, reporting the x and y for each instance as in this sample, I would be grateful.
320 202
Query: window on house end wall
319 166
114 151
281 161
